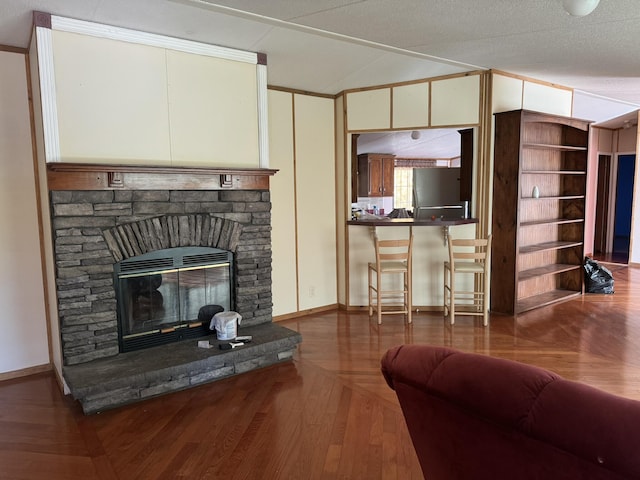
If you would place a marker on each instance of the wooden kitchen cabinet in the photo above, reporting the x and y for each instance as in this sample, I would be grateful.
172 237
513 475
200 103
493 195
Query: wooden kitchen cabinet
375 175
539 187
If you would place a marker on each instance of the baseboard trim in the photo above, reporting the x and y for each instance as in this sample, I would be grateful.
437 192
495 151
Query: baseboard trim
302 313
416 308
345 308
25 372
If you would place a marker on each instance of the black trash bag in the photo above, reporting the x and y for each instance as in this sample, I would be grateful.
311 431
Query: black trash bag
597 279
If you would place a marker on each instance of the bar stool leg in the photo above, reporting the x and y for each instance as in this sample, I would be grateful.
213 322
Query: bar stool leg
378 296
408 296
370 288
452 296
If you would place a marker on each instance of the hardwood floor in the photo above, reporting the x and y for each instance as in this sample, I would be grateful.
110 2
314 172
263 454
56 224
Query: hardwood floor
613 257
328 414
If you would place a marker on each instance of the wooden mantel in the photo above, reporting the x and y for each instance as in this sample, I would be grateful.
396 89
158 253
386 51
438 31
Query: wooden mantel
85 176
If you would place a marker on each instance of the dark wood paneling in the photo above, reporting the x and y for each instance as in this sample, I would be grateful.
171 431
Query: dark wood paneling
375 175
602 204
505 212
466 164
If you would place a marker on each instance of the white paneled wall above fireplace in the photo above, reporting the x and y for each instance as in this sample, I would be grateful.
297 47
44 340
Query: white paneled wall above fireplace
125 97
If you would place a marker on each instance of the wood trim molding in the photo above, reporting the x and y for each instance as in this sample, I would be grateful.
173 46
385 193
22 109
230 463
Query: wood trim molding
44 45
263 116
10 49
150 39
302 92
25 372
422 162
412 82
529 79
310 311
42 19
84 176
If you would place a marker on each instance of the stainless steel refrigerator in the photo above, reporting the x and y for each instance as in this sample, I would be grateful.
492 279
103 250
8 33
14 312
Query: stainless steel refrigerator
436 193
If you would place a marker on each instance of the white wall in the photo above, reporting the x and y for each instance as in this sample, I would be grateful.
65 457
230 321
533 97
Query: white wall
343 200
23 343
315 201
510 92
303 198
455 101
283 207
428 103
111 100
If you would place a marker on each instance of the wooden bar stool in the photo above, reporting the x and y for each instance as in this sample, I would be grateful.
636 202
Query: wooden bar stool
393 257
471 258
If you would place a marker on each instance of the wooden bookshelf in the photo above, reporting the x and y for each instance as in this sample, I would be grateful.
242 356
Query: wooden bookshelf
538 209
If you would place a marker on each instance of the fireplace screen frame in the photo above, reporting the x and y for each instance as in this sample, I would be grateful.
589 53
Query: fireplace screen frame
170 262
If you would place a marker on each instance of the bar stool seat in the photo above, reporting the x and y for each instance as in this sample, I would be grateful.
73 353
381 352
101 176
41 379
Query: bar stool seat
393 257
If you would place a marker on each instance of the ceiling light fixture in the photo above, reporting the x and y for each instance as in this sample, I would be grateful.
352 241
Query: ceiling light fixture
580 8
415 135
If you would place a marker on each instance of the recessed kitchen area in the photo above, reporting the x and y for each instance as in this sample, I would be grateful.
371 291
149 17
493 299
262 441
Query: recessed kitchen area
410 171
410 183
430 126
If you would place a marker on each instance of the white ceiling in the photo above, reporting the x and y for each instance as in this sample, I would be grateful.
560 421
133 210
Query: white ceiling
436 144
326 46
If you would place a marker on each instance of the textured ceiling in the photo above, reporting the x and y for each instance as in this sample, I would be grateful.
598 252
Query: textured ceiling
326 46
535 38
437 144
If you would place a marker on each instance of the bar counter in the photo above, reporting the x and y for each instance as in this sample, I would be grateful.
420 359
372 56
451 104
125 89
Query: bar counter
410 222
429 253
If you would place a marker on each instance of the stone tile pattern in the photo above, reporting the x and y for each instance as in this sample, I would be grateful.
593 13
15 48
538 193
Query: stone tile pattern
138 375
94 229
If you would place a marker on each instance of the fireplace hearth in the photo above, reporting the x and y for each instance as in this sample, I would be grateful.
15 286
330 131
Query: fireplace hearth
133 376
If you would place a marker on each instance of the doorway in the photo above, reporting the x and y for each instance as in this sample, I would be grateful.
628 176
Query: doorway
624 205
614 208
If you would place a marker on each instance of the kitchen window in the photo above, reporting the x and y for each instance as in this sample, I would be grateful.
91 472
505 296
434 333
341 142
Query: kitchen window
403 187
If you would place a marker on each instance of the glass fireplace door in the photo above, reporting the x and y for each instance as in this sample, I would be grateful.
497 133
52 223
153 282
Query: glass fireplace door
170 298
162 300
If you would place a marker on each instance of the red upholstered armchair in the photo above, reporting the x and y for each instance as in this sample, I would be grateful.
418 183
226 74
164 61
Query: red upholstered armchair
475 417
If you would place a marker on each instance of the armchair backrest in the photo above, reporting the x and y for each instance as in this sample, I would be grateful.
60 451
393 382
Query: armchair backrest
477 417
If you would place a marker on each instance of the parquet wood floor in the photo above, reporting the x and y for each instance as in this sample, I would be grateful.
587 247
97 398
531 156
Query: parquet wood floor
326 415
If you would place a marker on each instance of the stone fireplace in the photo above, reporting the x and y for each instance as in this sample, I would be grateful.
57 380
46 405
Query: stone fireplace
104 217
